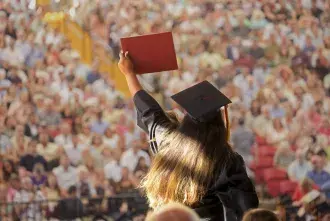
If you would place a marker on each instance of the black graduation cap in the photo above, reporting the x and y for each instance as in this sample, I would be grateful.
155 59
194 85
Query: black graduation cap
202 102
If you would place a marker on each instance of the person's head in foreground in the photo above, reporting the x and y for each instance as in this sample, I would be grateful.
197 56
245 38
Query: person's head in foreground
173 212
260 215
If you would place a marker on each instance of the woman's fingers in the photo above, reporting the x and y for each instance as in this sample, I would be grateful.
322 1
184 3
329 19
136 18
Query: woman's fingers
121 54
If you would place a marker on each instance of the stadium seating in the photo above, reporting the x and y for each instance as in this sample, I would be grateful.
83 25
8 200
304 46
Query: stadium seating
259 165
288 187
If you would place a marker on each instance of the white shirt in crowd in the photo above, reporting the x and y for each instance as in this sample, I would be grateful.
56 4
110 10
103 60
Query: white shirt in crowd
13 56
112 170
74 153
274 136
298 170
66 177
111 142
33 210
241 81
130 160
63 140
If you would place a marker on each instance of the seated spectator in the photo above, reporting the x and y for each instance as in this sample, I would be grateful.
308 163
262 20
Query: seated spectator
49 150
51 191
260 215
110 137
256 51
89 165
127 181
243 140
261 122
19 140
49 114
85 136
304 187
86 188
131 157
99 126
13 186
283 156
38 177
318 174
65 137
66 175
74 150
10 123
8 169
96 150
175 212
276 133
94 74
4 211
28 202
71 207
123 213
112 170
31 158
141 166
5 142
324 158
298 169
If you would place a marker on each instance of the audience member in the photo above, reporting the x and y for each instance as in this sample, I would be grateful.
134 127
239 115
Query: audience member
66 175
243 140
131 157
317 174
32 158
304 187
283 156
173 211
260 215
71 207
298 169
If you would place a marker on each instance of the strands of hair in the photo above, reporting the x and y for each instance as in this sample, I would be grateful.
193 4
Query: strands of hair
190 158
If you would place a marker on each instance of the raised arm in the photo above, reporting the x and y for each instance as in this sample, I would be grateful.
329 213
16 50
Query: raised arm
150 116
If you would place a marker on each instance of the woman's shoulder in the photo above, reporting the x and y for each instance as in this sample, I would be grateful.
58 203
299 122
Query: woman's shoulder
235 159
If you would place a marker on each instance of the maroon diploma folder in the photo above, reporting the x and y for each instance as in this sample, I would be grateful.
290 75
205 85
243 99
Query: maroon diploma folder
151 53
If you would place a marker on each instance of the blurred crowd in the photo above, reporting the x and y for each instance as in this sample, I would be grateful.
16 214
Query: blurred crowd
64 129
63 124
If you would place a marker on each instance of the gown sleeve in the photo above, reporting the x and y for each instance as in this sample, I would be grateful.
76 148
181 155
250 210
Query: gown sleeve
151 118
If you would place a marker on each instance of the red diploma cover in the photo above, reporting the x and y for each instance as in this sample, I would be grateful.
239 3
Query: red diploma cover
151 53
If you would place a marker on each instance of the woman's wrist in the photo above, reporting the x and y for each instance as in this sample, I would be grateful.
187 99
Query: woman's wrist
133 83
129 74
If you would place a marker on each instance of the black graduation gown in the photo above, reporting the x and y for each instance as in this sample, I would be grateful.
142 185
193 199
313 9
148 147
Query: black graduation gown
232 194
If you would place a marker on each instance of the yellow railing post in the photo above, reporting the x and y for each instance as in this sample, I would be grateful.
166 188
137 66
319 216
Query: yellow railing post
88 50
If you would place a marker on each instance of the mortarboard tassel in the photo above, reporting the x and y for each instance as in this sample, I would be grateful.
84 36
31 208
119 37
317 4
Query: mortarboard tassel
227 123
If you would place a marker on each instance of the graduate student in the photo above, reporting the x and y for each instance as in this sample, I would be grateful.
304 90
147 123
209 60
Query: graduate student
193 162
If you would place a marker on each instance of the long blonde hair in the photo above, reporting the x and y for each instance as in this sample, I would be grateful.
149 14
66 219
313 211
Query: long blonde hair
189 160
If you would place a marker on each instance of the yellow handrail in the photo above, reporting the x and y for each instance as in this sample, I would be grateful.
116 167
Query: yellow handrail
88 49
